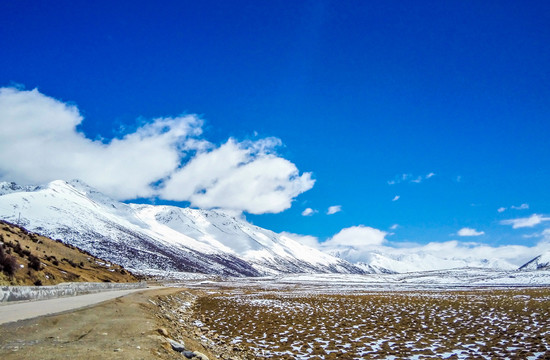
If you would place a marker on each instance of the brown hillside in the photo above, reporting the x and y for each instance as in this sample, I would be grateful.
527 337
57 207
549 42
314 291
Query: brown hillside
27 258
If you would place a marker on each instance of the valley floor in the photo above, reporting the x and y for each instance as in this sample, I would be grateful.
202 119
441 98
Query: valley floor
255 319
413 324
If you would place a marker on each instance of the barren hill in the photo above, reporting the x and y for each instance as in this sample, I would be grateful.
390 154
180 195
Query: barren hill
27 258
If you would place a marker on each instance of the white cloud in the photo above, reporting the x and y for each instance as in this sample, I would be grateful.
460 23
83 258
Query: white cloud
39 142
545 235
307 240
308 212
410 178
356 236
245 176
334 209
358 243
394 226
521 207
469 232
395 198
530 221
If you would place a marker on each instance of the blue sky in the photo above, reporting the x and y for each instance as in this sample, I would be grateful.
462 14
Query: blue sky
370 97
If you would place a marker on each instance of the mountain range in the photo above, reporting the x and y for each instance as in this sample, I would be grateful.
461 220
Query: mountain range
158 238
149 238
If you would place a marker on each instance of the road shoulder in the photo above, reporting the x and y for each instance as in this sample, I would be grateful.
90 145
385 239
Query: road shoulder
123 328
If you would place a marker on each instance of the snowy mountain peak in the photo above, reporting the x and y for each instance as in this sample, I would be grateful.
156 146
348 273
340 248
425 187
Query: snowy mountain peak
151 238
11 187
541 262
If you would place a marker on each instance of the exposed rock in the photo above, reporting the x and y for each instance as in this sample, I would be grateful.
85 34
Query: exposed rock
189 354
200 356
184 326
177 346
163 332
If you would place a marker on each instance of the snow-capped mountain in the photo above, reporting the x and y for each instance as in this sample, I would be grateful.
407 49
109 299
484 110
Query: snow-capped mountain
541 262
149 238
396 263
11 187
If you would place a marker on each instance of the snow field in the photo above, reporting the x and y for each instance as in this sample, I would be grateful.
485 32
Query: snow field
480 324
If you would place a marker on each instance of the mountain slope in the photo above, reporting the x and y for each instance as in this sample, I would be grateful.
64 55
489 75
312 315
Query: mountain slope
541 262
150 238
43 261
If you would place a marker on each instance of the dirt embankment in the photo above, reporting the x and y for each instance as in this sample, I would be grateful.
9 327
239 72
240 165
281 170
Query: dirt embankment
27 258
124 328
137 326
182 316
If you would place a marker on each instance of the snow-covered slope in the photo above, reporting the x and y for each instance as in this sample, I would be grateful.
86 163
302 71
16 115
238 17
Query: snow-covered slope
541 262
150 238
437 279
395 263
11 187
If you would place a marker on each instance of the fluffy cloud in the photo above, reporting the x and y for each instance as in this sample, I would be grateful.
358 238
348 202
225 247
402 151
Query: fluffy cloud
308 212
358 243
395 198
530 221
246 176
334 209
357 236
307 240
39 142
469 232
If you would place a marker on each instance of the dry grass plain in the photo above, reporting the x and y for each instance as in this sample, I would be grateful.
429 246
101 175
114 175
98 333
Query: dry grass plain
472 324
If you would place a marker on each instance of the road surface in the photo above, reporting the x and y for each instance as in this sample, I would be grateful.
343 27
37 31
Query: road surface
31 309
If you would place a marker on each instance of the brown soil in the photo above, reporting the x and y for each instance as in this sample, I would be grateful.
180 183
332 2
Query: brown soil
489 323
58 262
123 328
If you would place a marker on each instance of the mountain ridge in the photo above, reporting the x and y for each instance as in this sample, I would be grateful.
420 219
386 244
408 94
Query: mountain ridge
541 262
156 238
152 237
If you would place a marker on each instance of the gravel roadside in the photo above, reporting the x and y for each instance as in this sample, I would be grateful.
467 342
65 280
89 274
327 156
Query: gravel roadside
129 327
